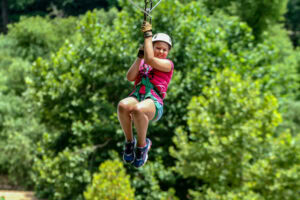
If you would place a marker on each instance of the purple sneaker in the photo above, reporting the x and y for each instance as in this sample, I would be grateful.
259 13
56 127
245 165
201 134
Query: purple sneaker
142 154
129 154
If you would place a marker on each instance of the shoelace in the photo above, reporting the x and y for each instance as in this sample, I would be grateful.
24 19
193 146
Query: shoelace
129 147
139 153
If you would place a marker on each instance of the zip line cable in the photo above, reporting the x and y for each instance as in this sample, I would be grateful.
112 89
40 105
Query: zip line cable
146 10
143 10
155 6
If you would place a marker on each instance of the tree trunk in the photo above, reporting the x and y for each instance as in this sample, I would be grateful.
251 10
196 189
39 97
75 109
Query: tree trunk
4 12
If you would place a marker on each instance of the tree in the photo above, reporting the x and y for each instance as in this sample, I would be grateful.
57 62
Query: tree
6 5
232 135
229 125
110 183
259 15
12 10
35 37
77 90
63 176
20 128
292 20
147 181
4 15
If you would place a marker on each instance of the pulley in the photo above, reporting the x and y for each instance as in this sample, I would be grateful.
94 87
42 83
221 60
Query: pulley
147 9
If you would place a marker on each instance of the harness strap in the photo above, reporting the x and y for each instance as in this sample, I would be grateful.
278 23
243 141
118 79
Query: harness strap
148 86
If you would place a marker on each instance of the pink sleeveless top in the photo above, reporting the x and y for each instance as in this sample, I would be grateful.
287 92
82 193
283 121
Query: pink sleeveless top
159 79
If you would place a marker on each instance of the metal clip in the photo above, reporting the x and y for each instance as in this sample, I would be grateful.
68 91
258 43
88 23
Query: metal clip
146 10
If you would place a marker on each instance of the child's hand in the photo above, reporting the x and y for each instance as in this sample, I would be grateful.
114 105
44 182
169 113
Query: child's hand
146 27
141 51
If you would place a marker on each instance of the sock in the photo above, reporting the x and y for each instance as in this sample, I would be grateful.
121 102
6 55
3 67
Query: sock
143 146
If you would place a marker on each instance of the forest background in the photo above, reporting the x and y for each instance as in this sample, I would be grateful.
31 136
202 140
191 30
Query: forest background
231 122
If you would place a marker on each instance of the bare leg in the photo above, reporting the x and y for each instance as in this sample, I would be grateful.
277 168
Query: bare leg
142 113
125 108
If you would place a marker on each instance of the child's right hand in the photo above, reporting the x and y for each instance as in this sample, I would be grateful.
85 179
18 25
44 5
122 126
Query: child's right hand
141 51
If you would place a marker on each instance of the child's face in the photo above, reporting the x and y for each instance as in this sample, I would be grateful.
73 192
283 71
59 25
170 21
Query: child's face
161 50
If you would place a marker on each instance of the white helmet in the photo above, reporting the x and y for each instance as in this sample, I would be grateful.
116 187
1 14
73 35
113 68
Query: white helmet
162 37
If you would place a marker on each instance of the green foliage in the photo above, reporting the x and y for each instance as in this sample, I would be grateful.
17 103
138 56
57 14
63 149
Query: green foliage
292 20
277 176
18 8
229 125
112 3
147 180
33 37
99 58
287 61
12 73
110 183
77 79
291 117
298 72
19 132
228 149
37 37
77 90
19 4
205 45
232 147
20 128
5 44
274 177
64 176
232 195
259 15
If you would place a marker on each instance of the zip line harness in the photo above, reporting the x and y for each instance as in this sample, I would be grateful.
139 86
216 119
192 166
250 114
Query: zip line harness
145 82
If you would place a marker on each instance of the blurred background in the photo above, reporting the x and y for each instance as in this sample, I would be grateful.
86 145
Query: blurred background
231 123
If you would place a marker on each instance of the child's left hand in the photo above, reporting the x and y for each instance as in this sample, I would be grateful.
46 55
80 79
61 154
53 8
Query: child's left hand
146 27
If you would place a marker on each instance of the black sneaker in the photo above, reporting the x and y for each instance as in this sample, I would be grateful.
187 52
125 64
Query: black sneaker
142 154
129 154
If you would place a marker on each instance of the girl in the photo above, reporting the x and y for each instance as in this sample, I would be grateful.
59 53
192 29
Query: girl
152 73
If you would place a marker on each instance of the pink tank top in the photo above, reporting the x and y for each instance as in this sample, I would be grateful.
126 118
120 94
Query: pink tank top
159 79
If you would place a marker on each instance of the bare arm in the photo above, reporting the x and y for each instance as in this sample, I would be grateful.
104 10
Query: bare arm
134 70
157 63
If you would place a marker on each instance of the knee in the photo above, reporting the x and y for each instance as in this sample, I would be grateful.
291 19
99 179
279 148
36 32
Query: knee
123 107
137 111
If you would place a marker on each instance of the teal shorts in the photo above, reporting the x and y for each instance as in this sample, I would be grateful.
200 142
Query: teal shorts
159 107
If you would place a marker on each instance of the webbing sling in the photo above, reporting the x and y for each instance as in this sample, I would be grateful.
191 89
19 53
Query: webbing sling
148 85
